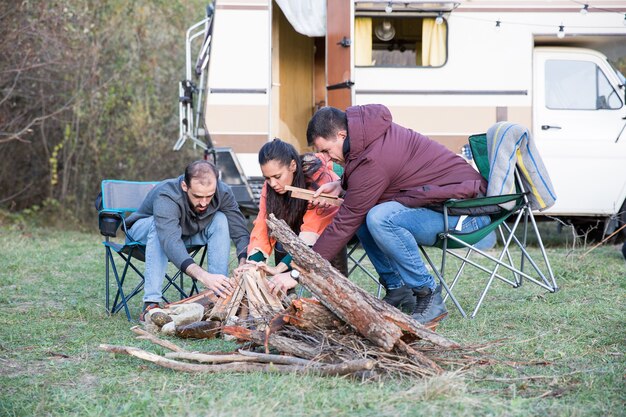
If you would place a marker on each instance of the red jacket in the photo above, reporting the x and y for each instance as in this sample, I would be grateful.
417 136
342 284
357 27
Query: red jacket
388 162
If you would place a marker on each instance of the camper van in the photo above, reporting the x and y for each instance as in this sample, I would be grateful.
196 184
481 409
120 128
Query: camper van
446 69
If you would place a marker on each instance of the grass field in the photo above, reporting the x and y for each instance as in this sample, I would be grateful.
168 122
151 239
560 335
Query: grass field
53 319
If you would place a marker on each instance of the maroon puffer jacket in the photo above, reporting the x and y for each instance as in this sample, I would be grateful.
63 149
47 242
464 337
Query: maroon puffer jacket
389 162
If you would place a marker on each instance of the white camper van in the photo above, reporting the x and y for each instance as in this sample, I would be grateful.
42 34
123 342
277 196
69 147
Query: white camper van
447 69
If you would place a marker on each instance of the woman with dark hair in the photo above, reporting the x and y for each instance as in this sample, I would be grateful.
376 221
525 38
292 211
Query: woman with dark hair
281 166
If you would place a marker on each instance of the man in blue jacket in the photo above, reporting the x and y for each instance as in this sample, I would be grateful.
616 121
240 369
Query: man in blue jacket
193 209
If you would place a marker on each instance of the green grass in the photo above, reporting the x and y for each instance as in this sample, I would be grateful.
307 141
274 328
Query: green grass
53 319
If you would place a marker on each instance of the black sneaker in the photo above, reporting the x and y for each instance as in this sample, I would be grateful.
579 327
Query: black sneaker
401 298
429 305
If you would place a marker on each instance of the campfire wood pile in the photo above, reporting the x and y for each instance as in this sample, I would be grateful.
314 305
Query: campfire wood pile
344 331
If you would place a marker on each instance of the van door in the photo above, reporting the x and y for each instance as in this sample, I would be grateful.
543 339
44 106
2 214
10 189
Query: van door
578 125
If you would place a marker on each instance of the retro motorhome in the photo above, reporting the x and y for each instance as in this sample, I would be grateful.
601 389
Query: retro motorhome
447 69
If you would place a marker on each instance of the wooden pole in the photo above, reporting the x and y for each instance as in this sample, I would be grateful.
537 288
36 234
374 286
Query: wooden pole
374 319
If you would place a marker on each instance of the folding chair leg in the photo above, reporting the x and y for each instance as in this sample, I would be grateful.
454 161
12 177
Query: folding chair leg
517 278
120 290
106 280
443 282
458 274
357 264
495 269
555 287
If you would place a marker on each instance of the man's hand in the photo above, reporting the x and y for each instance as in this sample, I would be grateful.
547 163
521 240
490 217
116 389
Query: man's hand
332 188
281 283
217 283
244 267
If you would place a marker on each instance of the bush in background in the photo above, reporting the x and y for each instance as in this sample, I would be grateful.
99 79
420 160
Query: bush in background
88 91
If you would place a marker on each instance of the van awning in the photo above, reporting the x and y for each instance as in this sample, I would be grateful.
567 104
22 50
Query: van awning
307 17
408 5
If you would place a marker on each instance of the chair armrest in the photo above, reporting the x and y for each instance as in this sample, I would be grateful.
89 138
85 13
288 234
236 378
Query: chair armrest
481 201
109 221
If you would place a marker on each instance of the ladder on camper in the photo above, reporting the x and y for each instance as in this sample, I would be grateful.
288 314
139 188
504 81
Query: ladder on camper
192 93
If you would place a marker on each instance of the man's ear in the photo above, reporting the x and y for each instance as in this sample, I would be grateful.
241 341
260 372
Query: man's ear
183 185
343 134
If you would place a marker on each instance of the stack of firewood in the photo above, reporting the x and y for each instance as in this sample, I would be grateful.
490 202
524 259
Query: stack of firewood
344 330
251 300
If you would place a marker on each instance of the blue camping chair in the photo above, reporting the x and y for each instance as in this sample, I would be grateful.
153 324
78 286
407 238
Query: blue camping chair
118 200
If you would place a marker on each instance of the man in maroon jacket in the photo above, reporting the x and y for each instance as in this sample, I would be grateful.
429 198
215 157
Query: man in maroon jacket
393 178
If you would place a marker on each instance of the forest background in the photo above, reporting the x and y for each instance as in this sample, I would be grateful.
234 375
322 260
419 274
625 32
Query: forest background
88 90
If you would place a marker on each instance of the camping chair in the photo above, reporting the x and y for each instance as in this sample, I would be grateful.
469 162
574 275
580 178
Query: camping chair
506 222
119 200
357 260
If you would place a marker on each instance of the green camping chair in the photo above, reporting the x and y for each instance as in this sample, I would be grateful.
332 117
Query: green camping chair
118 200
509 223
357 258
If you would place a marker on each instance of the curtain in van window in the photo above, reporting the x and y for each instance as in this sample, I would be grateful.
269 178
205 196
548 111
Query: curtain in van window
363 41
433 43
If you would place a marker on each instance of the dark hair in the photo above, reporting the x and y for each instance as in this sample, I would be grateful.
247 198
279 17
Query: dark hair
291 210
199 170
325 123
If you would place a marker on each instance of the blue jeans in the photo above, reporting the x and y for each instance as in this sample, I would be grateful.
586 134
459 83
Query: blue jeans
215 236
391 235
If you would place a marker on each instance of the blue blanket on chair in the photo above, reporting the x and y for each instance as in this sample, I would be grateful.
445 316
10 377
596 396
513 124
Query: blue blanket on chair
511 144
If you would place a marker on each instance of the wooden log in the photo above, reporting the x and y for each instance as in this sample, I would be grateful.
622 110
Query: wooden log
242 356
280 359
149 336
224 306
210 358
281 343
207 298
256 304
304 194
374 319
309 314
346 368
270 299
204 329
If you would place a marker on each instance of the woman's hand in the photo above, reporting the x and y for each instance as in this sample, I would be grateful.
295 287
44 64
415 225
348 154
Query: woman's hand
281 283
272 270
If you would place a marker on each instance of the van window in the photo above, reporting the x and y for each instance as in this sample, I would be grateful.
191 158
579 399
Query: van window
578 85
400 41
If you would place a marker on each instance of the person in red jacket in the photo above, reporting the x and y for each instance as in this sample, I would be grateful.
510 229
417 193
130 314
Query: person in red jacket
281 165
394 179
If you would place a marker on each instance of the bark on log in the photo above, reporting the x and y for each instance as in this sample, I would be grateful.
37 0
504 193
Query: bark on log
281 343
374 319
337 370
308 314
